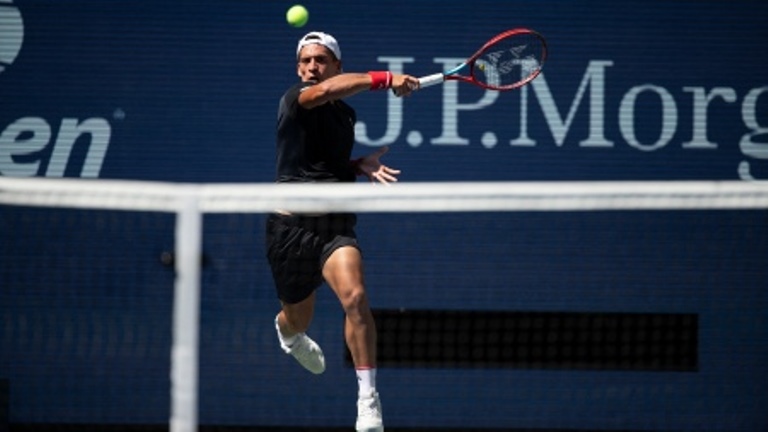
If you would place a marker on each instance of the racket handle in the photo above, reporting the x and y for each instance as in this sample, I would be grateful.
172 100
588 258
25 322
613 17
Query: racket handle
431 80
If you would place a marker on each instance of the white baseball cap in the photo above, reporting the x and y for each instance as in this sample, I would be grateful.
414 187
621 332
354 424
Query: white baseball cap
320 38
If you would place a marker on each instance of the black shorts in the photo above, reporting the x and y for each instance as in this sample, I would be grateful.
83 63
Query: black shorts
298 246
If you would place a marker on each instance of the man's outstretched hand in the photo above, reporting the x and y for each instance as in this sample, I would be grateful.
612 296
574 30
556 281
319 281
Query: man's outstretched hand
372 167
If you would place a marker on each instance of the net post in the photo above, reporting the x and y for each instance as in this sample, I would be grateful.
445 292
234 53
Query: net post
186 311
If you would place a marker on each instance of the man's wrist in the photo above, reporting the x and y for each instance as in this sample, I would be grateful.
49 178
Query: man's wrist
355 164
380 80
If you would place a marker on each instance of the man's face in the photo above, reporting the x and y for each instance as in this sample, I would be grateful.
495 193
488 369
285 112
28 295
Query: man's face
317 63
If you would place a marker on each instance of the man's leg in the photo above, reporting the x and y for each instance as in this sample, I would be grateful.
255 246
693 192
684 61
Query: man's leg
295 318
291 323
344 273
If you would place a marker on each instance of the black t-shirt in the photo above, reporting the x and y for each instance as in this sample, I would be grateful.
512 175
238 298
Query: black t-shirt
314 145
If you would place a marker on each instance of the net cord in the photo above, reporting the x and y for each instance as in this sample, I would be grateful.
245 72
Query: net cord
191 201
401 197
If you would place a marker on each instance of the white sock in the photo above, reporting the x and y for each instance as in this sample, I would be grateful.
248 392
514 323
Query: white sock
366 380
287 341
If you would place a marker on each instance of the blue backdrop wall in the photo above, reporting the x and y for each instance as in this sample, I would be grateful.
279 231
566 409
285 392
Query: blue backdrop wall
188 91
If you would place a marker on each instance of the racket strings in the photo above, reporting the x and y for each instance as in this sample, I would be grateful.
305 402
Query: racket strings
510 62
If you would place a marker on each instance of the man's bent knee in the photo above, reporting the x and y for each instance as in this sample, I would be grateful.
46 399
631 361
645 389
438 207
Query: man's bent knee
355 303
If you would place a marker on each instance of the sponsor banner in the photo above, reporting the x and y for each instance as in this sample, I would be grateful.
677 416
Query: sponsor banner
147 91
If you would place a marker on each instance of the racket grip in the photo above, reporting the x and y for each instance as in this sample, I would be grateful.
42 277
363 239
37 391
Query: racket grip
431 80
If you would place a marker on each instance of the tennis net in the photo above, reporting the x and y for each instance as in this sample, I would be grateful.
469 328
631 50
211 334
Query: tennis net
471 210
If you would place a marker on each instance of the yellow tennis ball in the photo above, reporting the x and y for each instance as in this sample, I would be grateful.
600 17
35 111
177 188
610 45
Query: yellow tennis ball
297 15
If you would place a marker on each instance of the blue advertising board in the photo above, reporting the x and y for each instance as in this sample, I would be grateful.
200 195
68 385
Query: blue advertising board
188 92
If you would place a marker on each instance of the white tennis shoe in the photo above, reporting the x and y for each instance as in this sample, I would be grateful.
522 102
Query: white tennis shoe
369 413
306 351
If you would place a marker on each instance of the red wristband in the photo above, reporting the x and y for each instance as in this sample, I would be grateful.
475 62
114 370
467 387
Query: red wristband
380 80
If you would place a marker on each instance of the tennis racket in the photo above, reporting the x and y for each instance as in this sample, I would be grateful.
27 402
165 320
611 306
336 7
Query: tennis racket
508 61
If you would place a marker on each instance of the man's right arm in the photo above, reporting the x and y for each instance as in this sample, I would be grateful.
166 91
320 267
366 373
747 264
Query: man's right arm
348 84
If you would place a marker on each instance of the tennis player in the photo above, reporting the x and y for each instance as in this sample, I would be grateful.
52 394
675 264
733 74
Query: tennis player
315 135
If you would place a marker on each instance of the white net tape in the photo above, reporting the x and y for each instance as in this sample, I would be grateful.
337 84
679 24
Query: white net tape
403 197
